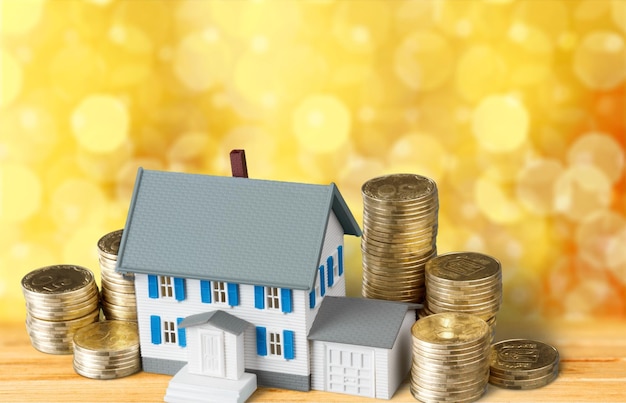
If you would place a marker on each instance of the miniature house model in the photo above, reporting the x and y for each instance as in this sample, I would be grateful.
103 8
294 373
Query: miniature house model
238 283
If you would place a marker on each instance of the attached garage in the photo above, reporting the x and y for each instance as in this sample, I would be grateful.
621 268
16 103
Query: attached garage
361 346
349 370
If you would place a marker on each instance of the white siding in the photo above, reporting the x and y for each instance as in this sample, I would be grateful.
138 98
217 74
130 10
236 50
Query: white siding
230 353
170 309
400 355
333 239
382 368
318 367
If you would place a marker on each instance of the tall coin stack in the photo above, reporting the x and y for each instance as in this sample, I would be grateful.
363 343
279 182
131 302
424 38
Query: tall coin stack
466 282
399 235
60 299
118 290
450 358
523 364
107 350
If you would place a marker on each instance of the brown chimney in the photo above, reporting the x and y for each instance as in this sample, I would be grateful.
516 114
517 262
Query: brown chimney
238 163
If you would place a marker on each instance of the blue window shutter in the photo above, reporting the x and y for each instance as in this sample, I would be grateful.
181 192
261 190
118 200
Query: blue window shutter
153 286
330 271
340 259
179 288
312 299
288 344
285 300
155 329
322 281
182 334
233 294
259 296
261 340
205 291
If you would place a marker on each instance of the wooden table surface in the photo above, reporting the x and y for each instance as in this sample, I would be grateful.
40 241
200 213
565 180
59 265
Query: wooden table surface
593 369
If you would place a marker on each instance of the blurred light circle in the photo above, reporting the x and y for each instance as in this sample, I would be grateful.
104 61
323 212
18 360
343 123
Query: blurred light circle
20 192
535 185
424 60
480 71
595 235
17 17
77 203
11 77
618 13
600 150
100 123
358 28
321 123
202 61
500 123
581 190
418 152
494 203
600 60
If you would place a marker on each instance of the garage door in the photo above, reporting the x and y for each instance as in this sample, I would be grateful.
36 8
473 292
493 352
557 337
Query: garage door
350 371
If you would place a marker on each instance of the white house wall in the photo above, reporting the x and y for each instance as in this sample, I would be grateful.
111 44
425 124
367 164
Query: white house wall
230 354
170 309
400 355
318 365
332 240
381 358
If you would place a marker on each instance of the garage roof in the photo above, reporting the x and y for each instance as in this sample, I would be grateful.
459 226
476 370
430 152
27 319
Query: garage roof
359 321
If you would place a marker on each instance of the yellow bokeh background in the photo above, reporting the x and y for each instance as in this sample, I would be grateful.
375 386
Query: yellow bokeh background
514 107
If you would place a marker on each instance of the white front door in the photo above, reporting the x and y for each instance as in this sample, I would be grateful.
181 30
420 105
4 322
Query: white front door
212 350
350 371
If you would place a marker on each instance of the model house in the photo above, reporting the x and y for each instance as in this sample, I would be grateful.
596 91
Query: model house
235 280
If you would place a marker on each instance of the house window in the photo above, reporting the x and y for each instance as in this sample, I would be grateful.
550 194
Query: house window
275 345
272 298
336 264
169 332
166 287
219 292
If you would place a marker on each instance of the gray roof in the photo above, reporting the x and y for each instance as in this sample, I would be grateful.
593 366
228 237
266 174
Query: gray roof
232 229
220 319
359 321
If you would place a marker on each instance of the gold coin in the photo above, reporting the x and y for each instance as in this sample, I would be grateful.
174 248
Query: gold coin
451 329
109 244
463 267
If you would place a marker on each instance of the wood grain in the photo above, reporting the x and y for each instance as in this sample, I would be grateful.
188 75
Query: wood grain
593 369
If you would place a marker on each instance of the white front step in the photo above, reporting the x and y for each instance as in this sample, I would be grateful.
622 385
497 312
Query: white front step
191 388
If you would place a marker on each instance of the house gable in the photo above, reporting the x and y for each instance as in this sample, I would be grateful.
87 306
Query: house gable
229 229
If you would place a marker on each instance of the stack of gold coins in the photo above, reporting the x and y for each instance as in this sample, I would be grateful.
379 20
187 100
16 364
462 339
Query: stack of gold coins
466 282
523 364
118 290
450 358
107 350
60 299
399 235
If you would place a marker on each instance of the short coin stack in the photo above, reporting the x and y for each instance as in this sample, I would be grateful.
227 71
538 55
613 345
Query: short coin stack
60 299
466 282
107 350
450 358
399 235
118 291
523 364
